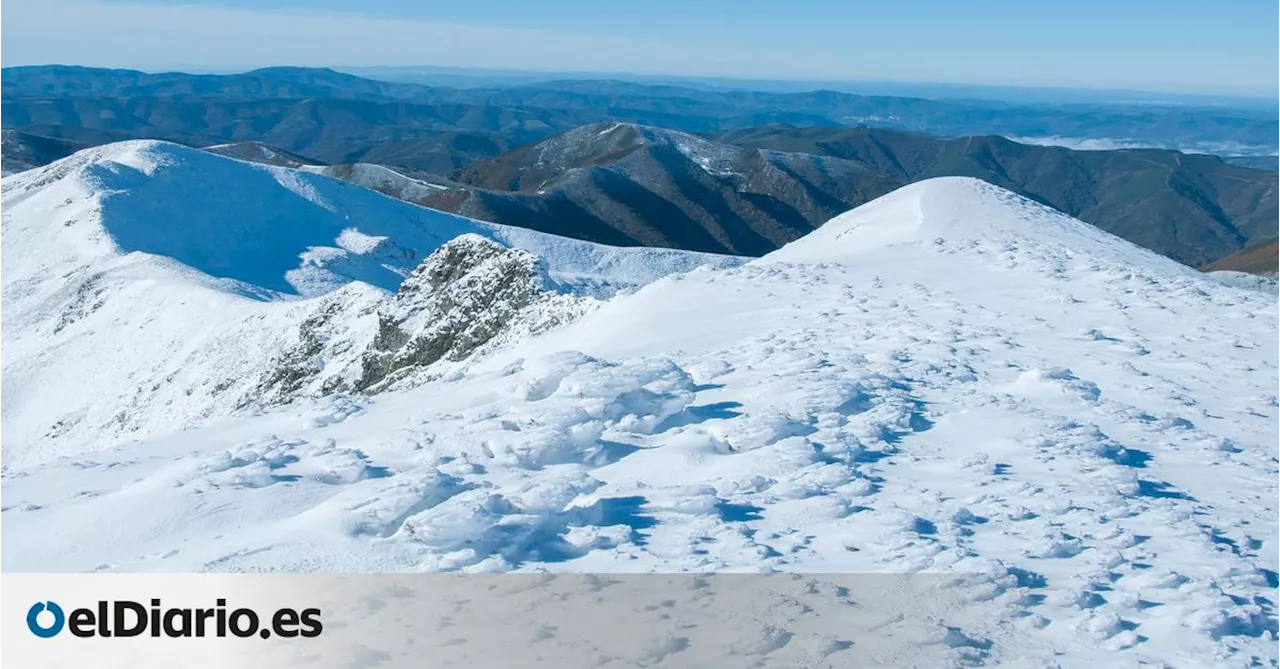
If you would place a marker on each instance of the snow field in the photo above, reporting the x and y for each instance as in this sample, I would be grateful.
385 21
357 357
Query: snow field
949 379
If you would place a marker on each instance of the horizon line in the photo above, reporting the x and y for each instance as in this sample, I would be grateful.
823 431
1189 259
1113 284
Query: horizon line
621 75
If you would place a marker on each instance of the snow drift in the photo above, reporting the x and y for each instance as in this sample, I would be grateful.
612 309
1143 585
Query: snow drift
150 287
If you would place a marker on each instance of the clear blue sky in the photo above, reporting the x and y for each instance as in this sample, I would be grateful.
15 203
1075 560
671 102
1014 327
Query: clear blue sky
1211 46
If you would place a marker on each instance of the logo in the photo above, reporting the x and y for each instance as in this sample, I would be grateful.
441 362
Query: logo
33 619
124 618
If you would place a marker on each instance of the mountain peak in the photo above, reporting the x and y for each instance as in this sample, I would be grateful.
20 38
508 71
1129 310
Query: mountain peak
267 229
606 142
950 214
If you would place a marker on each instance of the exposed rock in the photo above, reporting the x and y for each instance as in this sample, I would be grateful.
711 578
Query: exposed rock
471 295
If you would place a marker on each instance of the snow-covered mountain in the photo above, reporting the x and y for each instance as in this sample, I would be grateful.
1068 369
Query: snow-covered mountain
948 379
257 152
150 287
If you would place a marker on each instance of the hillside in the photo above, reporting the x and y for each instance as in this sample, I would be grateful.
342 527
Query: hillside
1193 208
950 379
23 150
257 152
267 83
1189 206
636 185
1268 163
752 191
1246 131
206 285
1258 258
440 152
322 128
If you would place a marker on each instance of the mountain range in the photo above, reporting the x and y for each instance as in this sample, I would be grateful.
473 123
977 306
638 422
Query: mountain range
1269 163
703 169
297 109
752 191
636 185
326 129
1190 207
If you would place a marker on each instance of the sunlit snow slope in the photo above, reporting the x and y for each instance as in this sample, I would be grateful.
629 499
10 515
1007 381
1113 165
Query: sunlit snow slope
950 378
149 287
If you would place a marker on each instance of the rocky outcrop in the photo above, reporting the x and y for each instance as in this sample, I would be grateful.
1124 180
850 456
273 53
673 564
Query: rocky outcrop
470 296
469 293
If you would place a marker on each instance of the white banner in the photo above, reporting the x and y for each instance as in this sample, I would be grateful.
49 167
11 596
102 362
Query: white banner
526 620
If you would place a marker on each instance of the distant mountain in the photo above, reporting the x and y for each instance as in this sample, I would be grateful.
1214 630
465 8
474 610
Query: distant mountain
63 81
321 128
257 152
1259 258
635 185
1234 130
1268 163
755 190
638 185
442 151
24 150
751 191
1193 208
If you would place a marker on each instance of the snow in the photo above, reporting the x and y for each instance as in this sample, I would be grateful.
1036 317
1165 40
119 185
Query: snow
568 149
382 178
715 159
949 379
261 151
250 223
1243 280
173 278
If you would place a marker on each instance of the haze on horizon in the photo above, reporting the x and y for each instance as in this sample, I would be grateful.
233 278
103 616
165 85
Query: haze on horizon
1227 48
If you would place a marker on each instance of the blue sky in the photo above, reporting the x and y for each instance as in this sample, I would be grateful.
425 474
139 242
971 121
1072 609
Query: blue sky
1225 46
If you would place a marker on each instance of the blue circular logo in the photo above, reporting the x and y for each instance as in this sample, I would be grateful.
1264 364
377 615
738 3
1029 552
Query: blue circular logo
33 619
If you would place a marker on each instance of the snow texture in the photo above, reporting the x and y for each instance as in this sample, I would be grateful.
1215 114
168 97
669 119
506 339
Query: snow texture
149 287
948 379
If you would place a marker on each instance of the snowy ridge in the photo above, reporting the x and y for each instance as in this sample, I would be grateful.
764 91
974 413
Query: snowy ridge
568 148
958 213
592 142
257 152
381 179
948 379
180 280
1266 284
283 230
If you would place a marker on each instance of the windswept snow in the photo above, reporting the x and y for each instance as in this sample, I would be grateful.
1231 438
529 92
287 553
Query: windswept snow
272 228
382 179
948 379
257 152
149 287
1244 280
